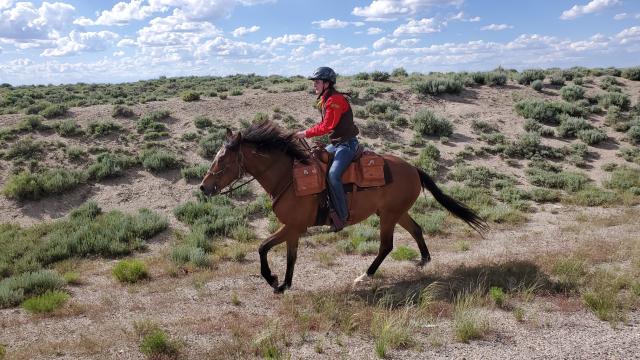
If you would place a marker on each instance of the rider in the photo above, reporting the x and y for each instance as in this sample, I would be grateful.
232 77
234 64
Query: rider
337 121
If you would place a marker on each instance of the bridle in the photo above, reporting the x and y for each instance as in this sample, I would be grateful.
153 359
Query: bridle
241 172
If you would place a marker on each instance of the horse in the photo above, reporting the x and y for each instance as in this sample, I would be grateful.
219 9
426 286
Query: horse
267 153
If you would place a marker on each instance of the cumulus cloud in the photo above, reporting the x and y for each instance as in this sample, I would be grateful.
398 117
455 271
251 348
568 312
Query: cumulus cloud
422 26
374 31
118 53
460 17
121 13
292 39
338 50
380 10
5 4
496 27
629 35
78 42
386 42
592 7
623 16
331 24
175 30
25 22
241 31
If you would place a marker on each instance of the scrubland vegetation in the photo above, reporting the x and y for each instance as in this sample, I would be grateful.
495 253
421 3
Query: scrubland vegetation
568 144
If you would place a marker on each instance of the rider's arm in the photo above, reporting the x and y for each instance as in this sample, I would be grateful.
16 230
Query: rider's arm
331 119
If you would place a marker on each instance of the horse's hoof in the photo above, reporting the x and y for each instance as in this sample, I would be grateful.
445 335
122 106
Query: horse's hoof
280 289
362 279
423 262
274 282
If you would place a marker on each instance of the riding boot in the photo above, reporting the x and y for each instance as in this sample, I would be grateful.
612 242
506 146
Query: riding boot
337 223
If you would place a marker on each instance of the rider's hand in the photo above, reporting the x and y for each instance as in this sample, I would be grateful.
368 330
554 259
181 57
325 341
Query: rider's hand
299 135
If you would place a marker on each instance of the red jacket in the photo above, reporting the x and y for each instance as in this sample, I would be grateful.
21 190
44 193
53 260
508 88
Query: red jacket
334 107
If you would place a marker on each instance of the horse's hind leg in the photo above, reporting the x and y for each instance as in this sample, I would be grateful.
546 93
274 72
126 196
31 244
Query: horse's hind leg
407 222
387 225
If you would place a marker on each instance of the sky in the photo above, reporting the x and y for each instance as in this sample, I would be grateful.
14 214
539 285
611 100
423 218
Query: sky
113 41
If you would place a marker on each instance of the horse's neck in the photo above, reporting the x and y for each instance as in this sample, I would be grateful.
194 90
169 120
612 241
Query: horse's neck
272 170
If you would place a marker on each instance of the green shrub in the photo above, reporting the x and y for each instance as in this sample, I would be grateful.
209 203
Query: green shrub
631 73
157 345
380 107
528 146
194 172
592 136
614 98
222 96
130 271
202 122
14 289
572 92
609 83
102 127
46 302
428 160
427 123
32 186
211 143
36 108
361 76
379 76
236 92
76 153
630 154
477 176
569 181
634 134
495 78
399 72
537 85
53 110
592 196
25 149
569 126
530 75
68 128
438 85
624 179
556 79
110 165
31 122
497 295
122 111
547 111
403 252
190 96
158 160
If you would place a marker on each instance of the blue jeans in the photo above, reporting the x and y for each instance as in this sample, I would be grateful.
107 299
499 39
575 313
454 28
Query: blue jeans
344 153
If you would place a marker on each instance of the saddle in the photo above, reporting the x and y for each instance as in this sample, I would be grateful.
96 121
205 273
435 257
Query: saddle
366 170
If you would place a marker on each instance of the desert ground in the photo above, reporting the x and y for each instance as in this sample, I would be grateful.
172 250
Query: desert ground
554 277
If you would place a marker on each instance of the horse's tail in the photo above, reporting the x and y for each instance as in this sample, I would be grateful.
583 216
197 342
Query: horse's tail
454 206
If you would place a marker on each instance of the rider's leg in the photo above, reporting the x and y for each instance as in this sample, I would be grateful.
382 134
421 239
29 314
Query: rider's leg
341 161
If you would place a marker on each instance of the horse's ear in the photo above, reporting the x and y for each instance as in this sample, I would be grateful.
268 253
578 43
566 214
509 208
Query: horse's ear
229 134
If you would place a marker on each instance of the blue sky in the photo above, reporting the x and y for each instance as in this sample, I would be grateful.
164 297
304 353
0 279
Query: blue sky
112 41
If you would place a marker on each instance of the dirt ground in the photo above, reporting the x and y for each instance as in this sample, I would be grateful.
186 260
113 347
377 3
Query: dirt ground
202 309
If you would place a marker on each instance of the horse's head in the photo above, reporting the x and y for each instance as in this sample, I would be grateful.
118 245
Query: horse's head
226 167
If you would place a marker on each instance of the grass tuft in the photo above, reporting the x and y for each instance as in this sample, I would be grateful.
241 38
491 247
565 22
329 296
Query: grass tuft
130 271
46 302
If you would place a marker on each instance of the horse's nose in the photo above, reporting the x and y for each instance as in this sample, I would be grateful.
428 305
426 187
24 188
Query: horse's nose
202 188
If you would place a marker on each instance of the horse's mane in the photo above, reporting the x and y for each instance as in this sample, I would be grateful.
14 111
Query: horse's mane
268 136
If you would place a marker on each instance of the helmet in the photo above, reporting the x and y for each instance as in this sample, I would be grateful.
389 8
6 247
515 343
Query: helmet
324 73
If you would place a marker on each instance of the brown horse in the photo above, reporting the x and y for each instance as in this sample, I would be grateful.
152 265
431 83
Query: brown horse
267 153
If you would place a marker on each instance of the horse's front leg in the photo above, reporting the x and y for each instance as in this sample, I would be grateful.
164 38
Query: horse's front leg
273 240
292 254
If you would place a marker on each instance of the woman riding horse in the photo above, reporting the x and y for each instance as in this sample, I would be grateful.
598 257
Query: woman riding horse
337 121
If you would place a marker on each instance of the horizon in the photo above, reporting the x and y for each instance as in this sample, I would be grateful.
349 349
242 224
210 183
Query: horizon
113 42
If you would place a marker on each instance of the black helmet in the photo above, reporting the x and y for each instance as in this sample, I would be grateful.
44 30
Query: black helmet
324 73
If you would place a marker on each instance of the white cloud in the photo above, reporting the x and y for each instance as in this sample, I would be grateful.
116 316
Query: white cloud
25 22
241 31
78 42
5 4
127 42
391 9
496 27
623 16
121 14
592 7
331 24
292 39
229 48
118 53
629 35
422 26
385 42
374 31
338 50
176 30
460 17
